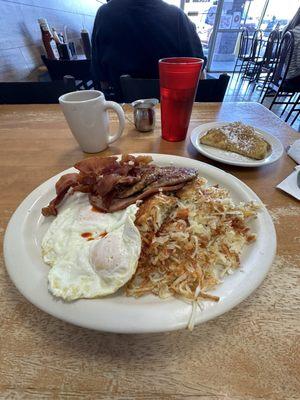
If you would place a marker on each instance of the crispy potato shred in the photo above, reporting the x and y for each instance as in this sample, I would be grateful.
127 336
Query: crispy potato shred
190 241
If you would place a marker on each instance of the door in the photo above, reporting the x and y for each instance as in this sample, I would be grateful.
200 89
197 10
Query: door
230 16
233 15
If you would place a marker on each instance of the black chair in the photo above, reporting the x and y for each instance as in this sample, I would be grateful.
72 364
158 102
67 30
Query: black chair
249 70
294 109
279 87
243 55
79 69
266 65
209 90
212 90
35 92
139 88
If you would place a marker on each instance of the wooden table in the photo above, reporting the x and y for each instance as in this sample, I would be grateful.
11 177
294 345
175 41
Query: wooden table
252 352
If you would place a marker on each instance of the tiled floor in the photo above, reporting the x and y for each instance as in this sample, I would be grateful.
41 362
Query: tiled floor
239 90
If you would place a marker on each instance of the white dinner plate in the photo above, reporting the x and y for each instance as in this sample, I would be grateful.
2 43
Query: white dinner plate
228 157
118 313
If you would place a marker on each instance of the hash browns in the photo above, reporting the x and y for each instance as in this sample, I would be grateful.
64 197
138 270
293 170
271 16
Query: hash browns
190 241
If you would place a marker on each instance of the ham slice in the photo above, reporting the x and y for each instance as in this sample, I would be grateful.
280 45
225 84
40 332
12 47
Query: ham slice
172 176
148 175
119 204
155 177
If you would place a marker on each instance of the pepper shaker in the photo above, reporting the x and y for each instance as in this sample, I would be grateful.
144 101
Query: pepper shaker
144 114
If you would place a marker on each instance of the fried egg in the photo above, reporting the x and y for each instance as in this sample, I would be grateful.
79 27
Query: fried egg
91 254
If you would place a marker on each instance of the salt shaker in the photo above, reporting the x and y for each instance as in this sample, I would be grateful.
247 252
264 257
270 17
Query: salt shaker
144 114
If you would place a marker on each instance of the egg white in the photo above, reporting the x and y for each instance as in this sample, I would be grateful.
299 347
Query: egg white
94 265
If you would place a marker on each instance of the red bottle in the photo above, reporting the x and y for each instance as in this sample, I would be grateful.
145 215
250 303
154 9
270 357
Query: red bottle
48 40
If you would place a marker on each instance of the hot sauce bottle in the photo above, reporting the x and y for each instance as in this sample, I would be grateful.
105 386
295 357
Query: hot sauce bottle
48 40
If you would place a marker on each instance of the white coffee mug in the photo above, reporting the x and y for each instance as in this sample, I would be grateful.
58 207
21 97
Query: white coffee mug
86 114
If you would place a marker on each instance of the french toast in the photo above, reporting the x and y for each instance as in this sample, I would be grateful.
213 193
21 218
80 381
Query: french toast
237 138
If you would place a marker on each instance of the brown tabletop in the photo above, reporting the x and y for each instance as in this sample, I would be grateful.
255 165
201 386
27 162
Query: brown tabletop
251 352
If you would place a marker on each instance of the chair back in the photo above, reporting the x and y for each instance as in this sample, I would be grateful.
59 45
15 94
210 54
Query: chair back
138 88
35 92
272 47
256 45
209 90
79 69
244 42
285 53
212 90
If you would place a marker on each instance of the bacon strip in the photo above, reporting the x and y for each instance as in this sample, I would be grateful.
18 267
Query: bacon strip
97 165
106 183
62 186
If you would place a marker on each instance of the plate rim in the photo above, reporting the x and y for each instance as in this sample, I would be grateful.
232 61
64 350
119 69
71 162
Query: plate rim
223 308
194 140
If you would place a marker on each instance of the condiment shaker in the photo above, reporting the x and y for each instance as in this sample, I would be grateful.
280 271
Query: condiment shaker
86 43
144 114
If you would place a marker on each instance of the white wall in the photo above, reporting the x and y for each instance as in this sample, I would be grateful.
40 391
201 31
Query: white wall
20 37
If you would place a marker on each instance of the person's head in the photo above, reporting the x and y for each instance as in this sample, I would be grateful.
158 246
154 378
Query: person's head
294 22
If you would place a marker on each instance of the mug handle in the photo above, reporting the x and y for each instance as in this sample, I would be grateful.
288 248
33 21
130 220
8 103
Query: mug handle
120 112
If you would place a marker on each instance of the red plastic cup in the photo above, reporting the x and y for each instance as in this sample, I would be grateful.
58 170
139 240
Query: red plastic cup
179 78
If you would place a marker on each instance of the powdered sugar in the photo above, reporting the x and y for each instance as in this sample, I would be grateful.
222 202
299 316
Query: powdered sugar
239 135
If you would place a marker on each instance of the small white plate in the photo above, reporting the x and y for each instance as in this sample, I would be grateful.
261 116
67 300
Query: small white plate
228 157
118 313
